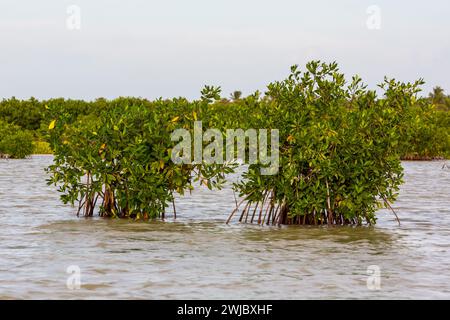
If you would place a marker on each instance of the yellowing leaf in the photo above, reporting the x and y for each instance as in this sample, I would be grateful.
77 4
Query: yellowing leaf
175 119
51 126
102 148
195 115
161 164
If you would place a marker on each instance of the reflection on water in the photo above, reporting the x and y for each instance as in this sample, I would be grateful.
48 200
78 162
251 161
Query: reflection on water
198 256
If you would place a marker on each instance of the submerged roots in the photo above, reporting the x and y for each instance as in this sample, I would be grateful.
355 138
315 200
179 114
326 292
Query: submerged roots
108 202
272 212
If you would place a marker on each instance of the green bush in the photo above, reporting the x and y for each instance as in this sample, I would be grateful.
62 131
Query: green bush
425 133
27 114
41 147
339 159
122 158
340 146
14 142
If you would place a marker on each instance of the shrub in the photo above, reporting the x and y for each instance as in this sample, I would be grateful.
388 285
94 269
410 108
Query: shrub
41 147
340 148
123 158
15 143
339 158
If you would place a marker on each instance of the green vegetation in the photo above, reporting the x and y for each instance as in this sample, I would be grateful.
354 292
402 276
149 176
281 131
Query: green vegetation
439 99
125 158
41 147
425 129
14 142
340 147
425 132
30 117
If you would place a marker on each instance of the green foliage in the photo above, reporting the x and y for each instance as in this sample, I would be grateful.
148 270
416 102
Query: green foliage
14 142
27 114
340 146
425 129
339 157
236 95
123 157
425 132
438 98
41 147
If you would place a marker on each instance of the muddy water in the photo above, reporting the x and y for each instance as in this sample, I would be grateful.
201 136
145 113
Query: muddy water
200 257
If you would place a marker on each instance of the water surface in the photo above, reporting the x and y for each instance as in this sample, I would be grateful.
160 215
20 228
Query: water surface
199 257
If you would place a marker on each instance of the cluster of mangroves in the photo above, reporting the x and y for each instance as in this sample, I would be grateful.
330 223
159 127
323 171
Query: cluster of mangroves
339 148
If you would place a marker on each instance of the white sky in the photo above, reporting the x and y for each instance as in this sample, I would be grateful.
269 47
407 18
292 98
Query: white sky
174 47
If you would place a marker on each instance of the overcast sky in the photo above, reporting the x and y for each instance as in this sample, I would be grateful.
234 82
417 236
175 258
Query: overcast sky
174 47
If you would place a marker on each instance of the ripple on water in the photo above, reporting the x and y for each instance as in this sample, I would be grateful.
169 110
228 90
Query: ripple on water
198 256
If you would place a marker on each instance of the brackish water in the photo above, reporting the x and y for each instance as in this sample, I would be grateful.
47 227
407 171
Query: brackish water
198 256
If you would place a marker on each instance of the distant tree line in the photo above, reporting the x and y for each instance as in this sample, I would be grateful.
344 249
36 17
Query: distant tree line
24 123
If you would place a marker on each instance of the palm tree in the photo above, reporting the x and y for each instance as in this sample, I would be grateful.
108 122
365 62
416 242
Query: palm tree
437 96
236 95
